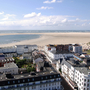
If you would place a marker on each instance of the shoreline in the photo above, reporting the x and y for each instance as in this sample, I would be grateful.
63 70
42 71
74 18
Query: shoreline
51 38
2 34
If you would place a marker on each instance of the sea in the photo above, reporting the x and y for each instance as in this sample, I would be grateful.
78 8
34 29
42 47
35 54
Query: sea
5 39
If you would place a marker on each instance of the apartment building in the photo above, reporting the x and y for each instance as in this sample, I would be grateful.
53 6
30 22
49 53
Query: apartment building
9 68
8 49
4 59
21 49
45 80
76 74
77 48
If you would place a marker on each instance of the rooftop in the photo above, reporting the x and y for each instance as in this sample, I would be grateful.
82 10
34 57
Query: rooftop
25 45
84 70
8 65
61 52
77 65
49 71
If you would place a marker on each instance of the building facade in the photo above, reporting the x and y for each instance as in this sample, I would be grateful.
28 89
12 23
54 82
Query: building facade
77 76
39 81
9 68
21 49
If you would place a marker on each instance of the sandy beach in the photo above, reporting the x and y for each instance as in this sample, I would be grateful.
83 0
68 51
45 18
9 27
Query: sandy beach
52 38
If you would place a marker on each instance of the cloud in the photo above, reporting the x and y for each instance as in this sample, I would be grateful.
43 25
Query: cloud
83 24
44 8
33 14
64 20
1 12
7 16
60 1
44 22
53 1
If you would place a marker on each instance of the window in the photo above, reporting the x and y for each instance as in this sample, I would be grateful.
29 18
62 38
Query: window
32 79
28 80
41 77
46 85
13 81
40 85
84 84
23 80
84 88
87 85
88 80
54 76
33 87
85 80
46 77
43 85
58 87
50 76
18 81
8 82
58 75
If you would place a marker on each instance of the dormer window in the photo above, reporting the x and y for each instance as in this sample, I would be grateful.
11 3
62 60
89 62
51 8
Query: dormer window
50 76
46 77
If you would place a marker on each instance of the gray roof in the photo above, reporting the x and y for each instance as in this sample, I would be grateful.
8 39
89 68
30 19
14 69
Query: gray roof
10 65
66 63
48 71
38 60
80 68
84 70
26 45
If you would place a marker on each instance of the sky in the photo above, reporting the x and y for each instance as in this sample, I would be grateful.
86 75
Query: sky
44 14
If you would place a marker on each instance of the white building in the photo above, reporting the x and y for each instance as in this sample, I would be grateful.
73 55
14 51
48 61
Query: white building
8 49
77 49
47 80
77 77
25 48
9 68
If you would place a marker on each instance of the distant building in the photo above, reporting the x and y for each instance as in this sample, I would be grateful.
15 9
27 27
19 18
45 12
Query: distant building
4 59
8 49
21 49
9 68
77 48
